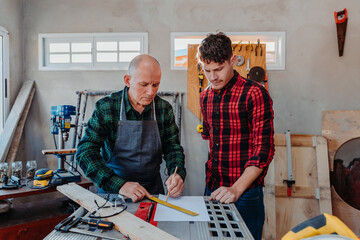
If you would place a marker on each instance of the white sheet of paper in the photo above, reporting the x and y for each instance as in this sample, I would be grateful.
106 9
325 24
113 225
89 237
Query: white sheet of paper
192 203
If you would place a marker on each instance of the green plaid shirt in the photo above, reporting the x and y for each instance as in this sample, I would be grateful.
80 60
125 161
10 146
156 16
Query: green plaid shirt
96 147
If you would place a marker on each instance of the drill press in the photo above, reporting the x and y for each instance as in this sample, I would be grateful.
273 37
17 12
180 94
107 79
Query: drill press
61 125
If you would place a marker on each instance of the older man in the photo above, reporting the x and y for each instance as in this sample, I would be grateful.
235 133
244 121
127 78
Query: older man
128 134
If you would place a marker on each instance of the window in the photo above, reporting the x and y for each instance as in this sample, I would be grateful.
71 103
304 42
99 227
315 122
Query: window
275 46
4 76
90 51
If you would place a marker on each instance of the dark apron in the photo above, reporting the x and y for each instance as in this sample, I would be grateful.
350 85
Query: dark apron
137 152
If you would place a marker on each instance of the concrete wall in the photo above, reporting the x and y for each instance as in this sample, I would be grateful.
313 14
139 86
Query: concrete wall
11 20
315 79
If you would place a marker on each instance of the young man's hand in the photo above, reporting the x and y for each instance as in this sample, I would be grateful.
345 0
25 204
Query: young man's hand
225 194
134 191
175 185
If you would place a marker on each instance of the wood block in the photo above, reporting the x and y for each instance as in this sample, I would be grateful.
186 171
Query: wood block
125 222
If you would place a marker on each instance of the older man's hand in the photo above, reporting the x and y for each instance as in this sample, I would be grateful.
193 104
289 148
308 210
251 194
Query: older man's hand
175 185
134 191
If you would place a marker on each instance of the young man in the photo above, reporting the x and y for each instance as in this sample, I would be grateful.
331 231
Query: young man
238 121
127 135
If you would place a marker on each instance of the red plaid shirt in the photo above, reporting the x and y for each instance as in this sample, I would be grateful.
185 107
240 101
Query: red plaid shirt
238 121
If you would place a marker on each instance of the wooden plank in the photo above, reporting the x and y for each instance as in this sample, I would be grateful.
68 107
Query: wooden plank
59 151
11 156
125 222
13 119
323 174
297 140
296 192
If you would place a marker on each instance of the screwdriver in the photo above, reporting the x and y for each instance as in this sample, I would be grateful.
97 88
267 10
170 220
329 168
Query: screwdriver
98 223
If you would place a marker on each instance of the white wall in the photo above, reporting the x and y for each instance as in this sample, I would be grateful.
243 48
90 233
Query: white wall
11 20
315 78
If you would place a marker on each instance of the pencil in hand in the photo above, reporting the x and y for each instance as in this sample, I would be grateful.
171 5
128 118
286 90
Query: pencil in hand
167 196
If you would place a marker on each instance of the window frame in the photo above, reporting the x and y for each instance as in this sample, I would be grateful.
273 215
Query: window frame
4 82
280 45
45 39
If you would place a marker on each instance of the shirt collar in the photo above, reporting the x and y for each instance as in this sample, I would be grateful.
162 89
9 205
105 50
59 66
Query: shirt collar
128 106
230 84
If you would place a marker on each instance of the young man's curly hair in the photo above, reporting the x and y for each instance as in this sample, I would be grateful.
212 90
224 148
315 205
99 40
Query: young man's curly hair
215 48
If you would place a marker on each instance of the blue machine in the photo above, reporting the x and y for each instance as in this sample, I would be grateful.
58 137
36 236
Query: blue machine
61 125
61 118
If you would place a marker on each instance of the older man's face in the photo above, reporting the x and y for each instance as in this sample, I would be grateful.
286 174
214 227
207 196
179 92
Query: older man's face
143 84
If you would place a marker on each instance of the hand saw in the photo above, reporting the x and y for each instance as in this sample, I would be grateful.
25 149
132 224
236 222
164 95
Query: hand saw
173 206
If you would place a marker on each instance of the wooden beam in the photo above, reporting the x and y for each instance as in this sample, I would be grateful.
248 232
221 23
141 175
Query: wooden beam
124 222
296 192
297 140
322 162
13 119
14 148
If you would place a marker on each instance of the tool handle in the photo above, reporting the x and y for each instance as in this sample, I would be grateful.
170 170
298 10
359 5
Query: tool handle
100 223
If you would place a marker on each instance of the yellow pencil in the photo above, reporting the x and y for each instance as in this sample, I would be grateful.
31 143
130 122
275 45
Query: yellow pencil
167 196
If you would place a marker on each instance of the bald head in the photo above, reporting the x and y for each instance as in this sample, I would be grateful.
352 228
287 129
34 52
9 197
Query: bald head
143 80
143 59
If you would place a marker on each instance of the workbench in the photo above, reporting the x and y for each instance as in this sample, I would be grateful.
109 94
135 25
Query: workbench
34 218
225 223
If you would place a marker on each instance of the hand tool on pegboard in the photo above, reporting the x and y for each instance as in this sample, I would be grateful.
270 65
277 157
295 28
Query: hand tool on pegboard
341 20
258 46
249 46
199 127
248 68
290 181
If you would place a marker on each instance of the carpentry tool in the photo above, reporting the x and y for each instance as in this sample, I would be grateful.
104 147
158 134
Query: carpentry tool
167 196
322 224
239 60
15 182
258 46
249 45
257 74
200 128
341 20
289 182
248 67
61 125
69 225
240 46
43 177
146 211
173 206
